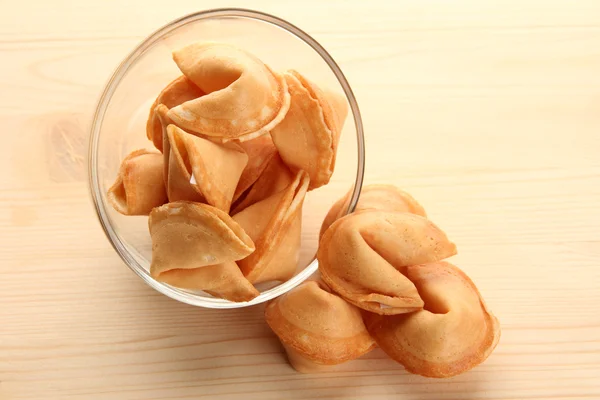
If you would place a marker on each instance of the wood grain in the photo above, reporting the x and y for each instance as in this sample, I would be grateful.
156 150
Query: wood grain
488 112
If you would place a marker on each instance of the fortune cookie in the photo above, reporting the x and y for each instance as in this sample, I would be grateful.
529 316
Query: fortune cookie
188 236
160 113
274 224
362 257
317 328
201 170
274 178
139 187
260 151
178 91
452 334
376 197
244 98
308 136
223 280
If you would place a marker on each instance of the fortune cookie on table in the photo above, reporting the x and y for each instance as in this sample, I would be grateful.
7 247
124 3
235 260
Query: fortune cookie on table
178 91
362 256
274 224
201 170
376 197
244 98
139 187
308 136
452 334
317 328
274 178
188 236
260 151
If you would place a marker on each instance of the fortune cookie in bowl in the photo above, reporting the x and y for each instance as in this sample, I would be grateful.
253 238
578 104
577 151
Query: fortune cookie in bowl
260 151
244 98
452 334
317 328
195 246
308 136
274 178
224 280
139 187
376 197
178 91
201 170
160 113
362 256
274 224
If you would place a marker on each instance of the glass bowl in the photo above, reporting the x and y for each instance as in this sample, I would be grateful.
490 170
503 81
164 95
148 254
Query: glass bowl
120 118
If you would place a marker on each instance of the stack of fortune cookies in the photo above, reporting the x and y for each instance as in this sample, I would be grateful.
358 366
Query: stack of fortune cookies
384 282
237 146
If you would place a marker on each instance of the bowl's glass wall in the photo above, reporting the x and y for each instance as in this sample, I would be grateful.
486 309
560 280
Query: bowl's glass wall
120 123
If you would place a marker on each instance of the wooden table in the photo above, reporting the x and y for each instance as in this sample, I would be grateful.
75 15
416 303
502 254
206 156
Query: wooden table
489 112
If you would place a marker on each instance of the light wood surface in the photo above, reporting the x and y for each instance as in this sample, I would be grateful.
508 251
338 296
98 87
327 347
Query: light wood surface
487 111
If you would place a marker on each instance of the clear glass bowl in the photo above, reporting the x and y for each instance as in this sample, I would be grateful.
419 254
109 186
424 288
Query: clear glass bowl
119 128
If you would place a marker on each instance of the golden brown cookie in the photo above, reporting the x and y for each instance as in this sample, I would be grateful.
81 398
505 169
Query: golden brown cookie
201 170
452 334
317 328
275 177
274 224
187 235
362 257
260 151
224 280
178 91
139 187
244 98
307 137
376 197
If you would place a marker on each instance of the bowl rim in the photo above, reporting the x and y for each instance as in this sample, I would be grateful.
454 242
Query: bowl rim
102 105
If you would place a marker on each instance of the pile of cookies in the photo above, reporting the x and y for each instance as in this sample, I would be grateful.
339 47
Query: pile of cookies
383 282
238 146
